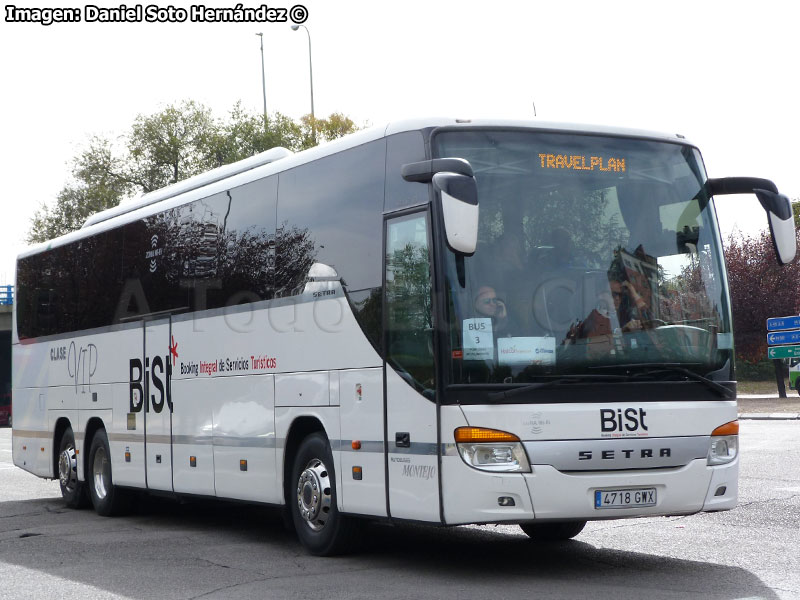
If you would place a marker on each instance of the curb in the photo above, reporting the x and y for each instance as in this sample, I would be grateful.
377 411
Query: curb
770 416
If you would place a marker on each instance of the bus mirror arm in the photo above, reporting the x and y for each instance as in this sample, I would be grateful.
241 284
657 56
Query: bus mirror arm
423 171
778 207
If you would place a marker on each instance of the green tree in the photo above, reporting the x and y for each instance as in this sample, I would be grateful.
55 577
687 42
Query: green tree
760 289
96 185
315 131
168 146
796 212
243 135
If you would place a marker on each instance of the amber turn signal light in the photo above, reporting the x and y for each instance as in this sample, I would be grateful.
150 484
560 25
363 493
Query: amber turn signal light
481 434
731 428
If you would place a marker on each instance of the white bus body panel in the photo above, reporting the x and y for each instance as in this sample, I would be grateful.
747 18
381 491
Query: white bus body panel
57 378
569 421
413 471
303 389
360 396
547 429
244 429
192 436
470 495
30 414
158 417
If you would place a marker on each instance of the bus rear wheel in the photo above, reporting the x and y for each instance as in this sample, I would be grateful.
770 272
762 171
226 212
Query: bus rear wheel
321 528
72 491
107 499
553 532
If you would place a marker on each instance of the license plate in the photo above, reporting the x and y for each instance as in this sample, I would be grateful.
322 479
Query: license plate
624 498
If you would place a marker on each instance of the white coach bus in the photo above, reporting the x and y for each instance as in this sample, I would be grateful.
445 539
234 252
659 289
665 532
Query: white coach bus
438 321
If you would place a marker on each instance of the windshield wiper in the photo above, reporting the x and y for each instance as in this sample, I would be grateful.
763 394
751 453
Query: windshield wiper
656 368
564 380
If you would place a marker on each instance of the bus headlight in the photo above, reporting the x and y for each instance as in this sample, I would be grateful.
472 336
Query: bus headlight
724 445
491 450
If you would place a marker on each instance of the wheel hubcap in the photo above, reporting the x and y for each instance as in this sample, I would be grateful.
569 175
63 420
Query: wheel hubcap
314 494
68 468
100 473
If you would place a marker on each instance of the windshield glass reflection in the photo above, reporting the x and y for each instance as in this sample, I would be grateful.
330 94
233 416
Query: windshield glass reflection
592 252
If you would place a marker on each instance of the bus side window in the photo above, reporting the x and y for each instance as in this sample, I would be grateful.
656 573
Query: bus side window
330 212
401 149
409 335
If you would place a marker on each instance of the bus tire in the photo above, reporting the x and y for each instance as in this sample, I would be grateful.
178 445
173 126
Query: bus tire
553 532
72 491
321 528
107 499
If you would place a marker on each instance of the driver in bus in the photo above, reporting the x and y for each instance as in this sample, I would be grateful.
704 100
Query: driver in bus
487 304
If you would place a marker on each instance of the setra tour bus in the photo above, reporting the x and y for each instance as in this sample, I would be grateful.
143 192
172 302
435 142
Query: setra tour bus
440 321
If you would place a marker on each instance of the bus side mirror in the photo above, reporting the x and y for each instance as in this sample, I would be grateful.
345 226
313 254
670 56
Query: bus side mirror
457 196
456 192
778 207
781 223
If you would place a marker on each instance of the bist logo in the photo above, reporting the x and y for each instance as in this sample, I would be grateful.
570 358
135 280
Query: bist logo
151 382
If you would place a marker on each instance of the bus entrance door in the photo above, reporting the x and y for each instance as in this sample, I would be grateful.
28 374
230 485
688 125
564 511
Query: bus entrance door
158 404
412 450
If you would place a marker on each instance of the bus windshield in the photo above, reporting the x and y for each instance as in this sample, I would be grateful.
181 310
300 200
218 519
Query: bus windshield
595 255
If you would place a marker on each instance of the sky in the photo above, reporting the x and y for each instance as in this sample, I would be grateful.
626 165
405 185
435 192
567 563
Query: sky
721 73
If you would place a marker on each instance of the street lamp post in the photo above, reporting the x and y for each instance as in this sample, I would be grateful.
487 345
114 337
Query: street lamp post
263 81
311 80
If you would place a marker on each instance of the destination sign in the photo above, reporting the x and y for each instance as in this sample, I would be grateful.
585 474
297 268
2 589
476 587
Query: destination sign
783 337
781 323
784 352
582 163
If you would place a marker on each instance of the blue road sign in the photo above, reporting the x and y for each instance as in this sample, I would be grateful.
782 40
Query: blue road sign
783 323
783 337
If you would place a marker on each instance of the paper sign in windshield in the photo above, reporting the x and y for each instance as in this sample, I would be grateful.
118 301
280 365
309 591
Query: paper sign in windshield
526 351
478 339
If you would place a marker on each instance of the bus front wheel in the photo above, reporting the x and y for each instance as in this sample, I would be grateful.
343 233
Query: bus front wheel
107 499
72 491
553 532
321 528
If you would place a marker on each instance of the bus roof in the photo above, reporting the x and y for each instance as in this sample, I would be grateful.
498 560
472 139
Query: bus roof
279 159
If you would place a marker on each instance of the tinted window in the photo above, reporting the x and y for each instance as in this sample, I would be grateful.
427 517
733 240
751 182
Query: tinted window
150 267
401 149
207 254
47 292
100 274
228 246
330 212
210 253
